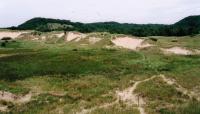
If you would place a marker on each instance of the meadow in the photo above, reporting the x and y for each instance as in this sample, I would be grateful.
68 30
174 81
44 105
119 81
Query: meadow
67 77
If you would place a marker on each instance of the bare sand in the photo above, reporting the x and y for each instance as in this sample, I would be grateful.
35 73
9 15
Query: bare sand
10 34
74 35
130 98
130 43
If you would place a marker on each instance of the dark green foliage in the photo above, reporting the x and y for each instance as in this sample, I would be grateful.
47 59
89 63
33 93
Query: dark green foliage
153 39
6 38
187 26
3 44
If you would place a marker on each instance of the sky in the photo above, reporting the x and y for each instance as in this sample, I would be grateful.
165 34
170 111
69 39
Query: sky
15 12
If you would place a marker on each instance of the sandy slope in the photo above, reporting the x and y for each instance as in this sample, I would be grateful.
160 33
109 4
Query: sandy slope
74 36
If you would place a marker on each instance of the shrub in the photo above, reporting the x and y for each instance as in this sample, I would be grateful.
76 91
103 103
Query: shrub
6 38
153 39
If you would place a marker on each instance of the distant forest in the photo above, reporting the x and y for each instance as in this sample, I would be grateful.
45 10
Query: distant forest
187 26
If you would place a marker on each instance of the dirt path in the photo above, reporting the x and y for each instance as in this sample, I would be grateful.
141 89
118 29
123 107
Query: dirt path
181 89
127 96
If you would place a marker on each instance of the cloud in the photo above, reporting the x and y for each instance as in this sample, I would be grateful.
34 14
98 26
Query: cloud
14 12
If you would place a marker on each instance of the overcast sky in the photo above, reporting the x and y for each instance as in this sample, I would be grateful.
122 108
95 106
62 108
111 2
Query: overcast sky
15 12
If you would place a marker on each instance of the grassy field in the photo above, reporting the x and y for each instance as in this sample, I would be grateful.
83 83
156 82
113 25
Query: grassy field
68 77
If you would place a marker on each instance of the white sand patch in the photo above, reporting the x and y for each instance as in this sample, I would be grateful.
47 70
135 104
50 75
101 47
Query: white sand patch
127 42
74 35
93 40
177 50
10 34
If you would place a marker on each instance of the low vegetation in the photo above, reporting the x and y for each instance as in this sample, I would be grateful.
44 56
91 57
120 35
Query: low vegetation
69 77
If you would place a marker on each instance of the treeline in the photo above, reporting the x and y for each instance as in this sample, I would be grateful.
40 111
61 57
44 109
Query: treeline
188 26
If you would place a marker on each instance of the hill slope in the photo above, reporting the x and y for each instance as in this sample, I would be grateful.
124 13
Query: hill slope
187 26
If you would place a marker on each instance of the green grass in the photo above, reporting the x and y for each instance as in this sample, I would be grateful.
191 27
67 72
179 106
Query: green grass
159 95
90 75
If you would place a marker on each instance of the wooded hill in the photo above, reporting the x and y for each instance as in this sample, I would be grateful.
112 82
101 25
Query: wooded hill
187 26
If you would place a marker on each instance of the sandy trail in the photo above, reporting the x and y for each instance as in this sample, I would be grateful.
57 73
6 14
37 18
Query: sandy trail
177 50
127 96
181 89
130 98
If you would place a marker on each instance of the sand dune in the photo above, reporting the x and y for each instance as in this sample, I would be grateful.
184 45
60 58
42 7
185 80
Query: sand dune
130 43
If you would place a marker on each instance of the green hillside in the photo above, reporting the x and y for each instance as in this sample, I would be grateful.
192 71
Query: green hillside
188 26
